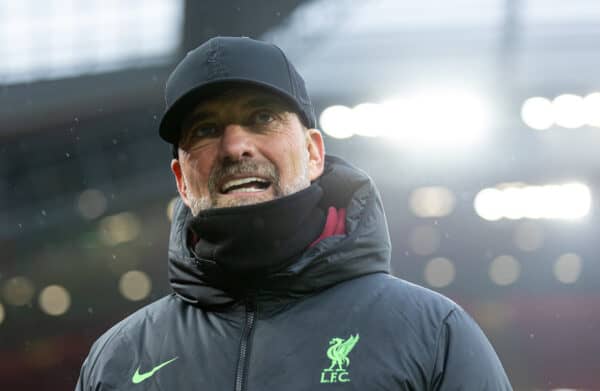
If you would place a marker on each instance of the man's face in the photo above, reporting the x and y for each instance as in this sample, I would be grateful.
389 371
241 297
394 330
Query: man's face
243 147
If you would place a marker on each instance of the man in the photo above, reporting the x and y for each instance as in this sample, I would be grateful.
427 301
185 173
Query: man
278 257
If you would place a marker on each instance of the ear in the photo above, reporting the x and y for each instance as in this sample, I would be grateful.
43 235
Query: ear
180 180
316 153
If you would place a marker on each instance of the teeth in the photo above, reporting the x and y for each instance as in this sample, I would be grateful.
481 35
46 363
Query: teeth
247 190
238 182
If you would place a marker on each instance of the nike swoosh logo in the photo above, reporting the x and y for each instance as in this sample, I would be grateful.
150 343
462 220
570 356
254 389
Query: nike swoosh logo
140 377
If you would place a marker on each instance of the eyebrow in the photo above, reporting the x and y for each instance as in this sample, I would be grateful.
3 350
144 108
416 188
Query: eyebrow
195 118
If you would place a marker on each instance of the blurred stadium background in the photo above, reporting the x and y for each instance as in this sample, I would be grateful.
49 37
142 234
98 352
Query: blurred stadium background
478 119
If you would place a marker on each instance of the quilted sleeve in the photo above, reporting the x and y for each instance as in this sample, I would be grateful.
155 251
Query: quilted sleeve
465 359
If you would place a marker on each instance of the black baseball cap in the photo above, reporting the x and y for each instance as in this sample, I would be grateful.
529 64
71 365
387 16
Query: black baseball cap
223 62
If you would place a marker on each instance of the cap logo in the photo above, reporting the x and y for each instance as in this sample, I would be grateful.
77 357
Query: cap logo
215 66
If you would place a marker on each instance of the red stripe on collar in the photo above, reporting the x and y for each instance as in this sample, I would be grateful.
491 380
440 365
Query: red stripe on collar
334 225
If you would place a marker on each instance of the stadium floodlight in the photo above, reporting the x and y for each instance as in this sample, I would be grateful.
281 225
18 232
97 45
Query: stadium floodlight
569 111
488 204
566 110
370 119
338 121
573 201
537 113
567 201
445 119
591 106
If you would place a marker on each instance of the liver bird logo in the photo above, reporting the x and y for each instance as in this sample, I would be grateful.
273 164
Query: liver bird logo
338 351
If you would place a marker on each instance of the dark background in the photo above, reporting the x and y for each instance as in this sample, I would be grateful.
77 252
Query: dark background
96 129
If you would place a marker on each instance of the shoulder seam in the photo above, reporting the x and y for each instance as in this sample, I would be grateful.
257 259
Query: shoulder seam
437 342
97 352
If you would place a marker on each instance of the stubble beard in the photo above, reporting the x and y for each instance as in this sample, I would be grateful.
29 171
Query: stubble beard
267 170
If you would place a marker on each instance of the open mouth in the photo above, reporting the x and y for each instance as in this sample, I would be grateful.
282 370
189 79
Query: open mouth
245 185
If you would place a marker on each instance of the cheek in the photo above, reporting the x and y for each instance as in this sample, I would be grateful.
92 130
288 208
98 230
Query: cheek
294 158
196 173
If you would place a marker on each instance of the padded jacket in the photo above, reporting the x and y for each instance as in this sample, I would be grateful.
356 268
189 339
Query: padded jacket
334 319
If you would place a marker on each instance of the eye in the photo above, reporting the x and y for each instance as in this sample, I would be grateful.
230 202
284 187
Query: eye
263 117
205 130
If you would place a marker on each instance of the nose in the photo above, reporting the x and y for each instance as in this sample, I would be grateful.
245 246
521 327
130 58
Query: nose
237 143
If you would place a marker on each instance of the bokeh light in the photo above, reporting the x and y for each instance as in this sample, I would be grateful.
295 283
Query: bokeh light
2 313
370 119
504 270
338 121
135 285
91 203
591 107
119 228
573 201
569 111
488 204
439 272
432 201
528 236
567 268
537 113
391 127
567 201
442 119
54 300
18 291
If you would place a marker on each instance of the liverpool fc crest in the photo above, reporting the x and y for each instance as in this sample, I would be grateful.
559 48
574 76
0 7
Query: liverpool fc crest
338 354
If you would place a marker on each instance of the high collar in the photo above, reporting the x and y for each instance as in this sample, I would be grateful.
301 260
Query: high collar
363 250
238 247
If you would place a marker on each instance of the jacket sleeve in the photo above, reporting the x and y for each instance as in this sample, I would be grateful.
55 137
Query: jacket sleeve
465 359
108 360
83 381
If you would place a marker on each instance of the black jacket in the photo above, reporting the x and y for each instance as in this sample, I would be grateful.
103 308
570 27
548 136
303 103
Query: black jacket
332 320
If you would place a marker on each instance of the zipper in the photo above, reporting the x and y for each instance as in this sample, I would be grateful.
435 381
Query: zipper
245 345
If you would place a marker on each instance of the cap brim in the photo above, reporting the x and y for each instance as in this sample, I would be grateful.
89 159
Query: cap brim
170 124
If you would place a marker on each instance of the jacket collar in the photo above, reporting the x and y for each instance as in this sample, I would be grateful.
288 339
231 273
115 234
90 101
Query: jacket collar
365 249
